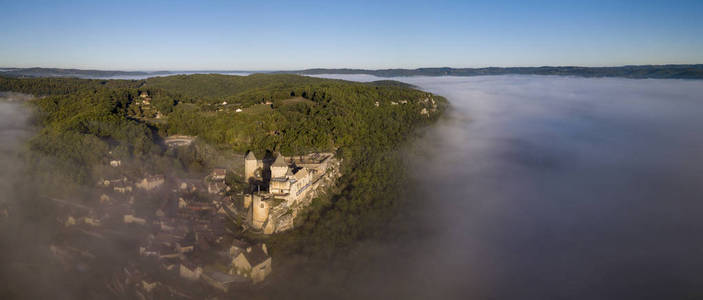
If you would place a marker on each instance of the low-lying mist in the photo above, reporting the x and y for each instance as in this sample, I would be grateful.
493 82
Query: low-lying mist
43 256
14 130
27 223
540 187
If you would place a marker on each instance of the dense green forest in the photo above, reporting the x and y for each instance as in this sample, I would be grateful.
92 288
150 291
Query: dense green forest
85 122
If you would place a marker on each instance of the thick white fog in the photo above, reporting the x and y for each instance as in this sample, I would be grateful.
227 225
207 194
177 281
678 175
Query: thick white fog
541 187
14 131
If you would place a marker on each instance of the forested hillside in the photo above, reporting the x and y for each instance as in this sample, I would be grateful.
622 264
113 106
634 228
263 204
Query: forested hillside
81 121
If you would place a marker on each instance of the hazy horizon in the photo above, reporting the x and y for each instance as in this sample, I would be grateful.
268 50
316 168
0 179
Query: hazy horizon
339 67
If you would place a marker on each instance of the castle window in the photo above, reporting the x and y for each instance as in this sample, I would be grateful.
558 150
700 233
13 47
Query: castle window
262 205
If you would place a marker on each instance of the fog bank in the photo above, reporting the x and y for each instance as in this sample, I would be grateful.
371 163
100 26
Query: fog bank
541 187
14 130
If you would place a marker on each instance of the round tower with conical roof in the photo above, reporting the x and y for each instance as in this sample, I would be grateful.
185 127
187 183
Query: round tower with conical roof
249 166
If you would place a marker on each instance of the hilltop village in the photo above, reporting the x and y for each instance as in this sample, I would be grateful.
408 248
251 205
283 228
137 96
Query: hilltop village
190 231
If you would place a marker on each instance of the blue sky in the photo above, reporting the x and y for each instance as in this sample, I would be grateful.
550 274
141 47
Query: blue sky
268 35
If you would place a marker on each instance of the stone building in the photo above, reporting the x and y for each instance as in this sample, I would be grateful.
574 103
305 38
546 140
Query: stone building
252 262
150 182
190 270
218 174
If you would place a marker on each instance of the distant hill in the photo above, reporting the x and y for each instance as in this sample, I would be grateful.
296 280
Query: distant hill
54 72
644 71
691 71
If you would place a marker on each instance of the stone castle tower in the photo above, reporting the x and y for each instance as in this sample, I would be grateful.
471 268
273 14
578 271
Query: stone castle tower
250 166
260 211
279 168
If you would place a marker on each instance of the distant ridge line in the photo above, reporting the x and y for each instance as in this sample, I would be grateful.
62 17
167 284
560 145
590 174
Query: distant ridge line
673 71
669 71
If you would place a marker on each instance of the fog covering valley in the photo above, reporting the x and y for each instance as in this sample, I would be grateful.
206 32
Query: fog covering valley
531 187
545 187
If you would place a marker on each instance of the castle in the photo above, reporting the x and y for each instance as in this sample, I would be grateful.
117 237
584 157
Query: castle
280 189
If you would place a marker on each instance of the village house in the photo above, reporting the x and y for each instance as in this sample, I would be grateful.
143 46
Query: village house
251 261
216 181
218 174
67 221
129 219
146 99
137 278
216 187
149 285
150 182
170 264
187 244
190 270
91 220
122 188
